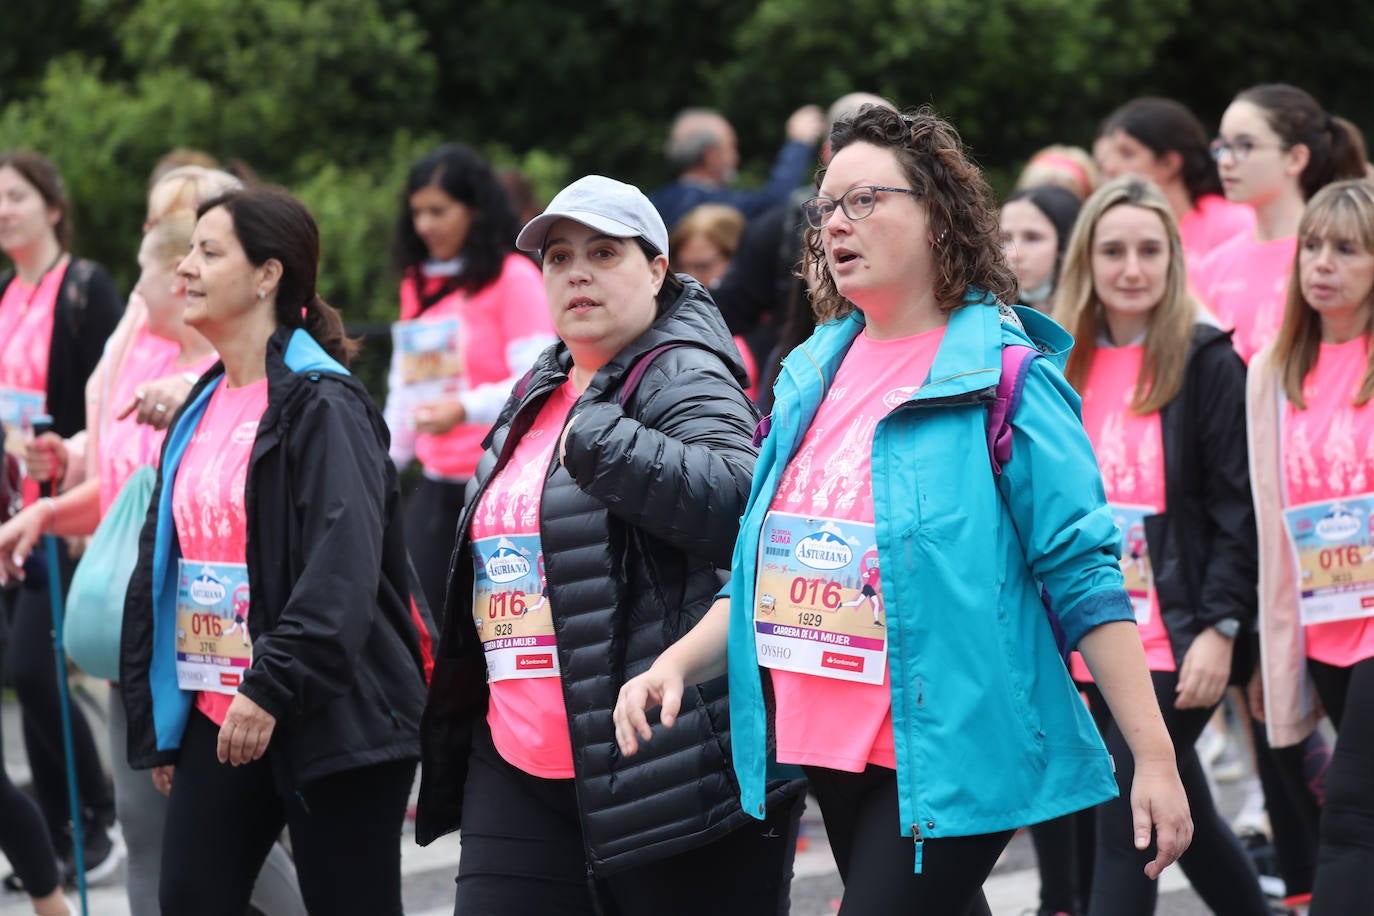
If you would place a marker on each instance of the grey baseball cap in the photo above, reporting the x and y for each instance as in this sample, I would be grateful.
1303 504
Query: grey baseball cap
612 207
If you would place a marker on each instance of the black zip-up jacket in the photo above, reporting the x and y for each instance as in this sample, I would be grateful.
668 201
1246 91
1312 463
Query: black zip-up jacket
337 637
1203 550
637 531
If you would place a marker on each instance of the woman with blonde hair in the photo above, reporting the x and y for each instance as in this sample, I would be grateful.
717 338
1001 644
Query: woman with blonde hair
1311 428
1162 394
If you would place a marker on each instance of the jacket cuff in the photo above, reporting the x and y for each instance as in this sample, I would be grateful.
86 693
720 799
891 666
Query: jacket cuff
276 705
1093 611
588 423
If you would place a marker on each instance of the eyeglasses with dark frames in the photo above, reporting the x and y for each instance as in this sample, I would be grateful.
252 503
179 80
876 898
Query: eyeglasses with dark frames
1240 150
856 203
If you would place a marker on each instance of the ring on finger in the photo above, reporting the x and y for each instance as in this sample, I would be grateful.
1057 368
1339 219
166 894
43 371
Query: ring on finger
159 408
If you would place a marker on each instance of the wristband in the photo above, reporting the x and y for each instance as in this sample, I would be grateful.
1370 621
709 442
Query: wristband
52 511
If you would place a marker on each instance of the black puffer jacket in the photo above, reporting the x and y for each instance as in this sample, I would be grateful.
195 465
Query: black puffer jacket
1203 553
637 531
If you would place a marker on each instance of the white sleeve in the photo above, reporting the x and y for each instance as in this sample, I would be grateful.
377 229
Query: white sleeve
483 404
397 415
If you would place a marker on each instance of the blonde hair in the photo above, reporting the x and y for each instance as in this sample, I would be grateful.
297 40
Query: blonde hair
1344 209
720 223
170 237
1068 167
1169 330
186 188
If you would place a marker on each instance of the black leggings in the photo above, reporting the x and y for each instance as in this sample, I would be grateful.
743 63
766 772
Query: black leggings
877 863
24 837
1345 852
1216 865
523 856
222 820
431 527
30 663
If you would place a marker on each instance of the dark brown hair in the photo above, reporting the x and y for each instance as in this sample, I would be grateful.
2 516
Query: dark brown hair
43 175
960 207
270 223
1335 147
1166 126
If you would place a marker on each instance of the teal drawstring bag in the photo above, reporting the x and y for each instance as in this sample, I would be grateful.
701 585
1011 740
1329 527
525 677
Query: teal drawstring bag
95 600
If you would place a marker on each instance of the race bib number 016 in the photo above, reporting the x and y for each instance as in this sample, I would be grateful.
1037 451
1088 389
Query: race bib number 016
818 608
1333 545
213 646
510 607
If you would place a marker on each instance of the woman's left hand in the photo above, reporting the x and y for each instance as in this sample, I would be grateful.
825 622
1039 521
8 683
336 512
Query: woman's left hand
246 730
438 417
1158 803
1206 669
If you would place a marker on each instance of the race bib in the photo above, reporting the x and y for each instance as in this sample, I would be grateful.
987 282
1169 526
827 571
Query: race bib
1334 550
18 407
429 356
819 608
213 646
510 606
1135 558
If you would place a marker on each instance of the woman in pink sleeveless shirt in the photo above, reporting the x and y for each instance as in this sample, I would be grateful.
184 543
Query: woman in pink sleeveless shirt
1312 456
1162 405
1276 148
472 321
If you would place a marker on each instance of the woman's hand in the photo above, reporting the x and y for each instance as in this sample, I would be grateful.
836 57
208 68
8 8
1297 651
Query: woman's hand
438 417
661 685
157 401
45 458
1159 803
162 778
17 537
1206 669
246 730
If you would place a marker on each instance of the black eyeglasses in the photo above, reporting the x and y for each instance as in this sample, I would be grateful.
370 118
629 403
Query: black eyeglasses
857 203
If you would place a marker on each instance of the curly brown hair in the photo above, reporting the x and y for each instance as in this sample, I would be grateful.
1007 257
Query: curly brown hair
960 207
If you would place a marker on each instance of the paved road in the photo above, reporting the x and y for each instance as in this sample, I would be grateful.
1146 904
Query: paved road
428 872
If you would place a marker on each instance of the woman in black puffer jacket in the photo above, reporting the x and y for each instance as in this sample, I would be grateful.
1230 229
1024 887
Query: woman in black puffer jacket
597 530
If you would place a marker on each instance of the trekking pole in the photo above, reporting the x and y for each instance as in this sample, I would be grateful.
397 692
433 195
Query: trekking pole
41 425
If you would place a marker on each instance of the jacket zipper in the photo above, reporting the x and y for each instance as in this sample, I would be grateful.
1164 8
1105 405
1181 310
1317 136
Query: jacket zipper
919 842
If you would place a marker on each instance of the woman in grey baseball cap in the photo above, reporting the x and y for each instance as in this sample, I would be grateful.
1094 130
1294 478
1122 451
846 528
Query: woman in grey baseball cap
597 530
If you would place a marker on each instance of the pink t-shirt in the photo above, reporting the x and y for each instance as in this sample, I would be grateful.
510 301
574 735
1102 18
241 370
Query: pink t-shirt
208 497
26 317
1213 220
1328 453
1244 283
527 715
839 724
511 308
1130 453
126 444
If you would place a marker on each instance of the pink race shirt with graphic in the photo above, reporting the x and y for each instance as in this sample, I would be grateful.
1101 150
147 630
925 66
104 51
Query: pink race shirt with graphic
1328 457
527 715
1244 283
1130 454
126 445
823 721
26 319
208 498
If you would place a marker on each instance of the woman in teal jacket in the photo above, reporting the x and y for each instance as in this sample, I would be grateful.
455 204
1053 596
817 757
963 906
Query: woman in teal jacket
929 705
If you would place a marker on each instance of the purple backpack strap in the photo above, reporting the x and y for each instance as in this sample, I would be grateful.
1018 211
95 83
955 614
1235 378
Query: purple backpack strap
641 366
1016 361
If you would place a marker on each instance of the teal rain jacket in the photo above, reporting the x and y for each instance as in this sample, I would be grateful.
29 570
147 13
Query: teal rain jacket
990 732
